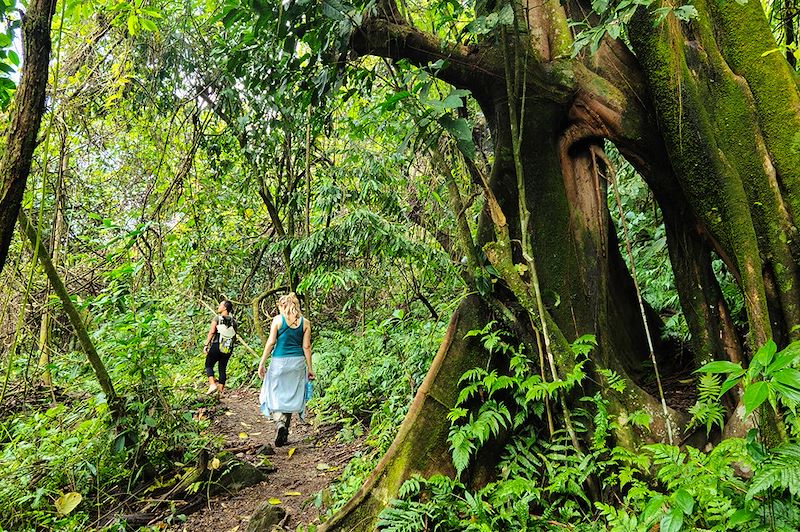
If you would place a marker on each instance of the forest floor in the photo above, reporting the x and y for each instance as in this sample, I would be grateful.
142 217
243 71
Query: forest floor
307 464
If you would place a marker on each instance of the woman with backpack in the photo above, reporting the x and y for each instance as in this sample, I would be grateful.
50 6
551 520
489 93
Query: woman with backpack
219 346
283 392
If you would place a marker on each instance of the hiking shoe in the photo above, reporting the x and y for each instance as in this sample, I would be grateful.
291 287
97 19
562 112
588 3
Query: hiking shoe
211 389
282 436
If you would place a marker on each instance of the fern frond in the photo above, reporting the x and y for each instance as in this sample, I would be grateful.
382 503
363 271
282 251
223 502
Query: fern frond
780 471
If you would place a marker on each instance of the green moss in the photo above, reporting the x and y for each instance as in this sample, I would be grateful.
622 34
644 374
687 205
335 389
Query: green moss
698 140
744 36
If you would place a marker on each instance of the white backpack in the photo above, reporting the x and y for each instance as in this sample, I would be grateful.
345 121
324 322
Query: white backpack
226 335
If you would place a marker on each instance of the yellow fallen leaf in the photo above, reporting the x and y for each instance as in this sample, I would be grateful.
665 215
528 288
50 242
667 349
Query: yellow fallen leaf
291 451
67 502
323 466
274 501
245 425
293 493
214 465
229 414
243 435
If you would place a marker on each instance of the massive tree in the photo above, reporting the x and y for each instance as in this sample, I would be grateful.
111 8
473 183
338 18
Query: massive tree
704 115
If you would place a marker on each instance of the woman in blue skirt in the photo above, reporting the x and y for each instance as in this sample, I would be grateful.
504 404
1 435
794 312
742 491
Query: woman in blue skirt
283 391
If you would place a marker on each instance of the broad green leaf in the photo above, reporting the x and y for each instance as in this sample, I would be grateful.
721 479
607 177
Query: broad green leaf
390 102
740 516
729 383
719 366
788 377
506 15
148 24
782 360
755 395
684 501
133 24
454 100
673 521
765 353
787 392
652 508
67 502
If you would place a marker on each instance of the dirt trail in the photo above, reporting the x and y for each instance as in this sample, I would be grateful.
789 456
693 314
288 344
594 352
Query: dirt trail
305 465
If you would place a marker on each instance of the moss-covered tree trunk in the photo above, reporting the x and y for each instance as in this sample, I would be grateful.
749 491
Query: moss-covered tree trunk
710 124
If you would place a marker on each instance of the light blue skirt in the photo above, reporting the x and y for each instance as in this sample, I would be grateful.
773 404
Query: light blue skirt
284 387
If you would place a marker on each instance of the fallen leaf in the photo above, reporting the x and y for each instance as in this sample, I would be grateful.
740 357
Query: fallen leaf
214 464
229 414
293 493
291 451
274 501
67 502
243 435
323 466
245 425
255 434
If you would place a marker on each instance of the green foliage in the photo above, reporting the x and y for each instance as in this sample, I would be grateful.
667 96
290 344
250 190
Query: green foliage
770 377
9 58
708 409
56 451
543 482
506 402
779 471
72 447
615 17
367 382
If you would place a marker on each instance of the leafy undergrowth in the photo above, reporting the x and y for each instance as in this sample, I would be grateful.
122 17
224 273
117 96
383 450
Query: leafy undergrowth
367 382
543 482
66 462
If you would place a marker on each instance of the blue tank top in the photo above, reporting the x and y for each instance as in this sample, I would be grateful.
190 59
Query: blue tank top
290 341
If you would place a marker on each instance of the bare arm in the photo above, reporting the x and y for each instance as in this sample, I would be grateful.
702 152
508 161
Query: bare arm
307 347
211 332
273 337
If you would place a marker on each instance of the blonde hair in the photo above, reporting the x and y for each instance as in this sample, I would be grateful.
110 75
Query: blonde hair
289 307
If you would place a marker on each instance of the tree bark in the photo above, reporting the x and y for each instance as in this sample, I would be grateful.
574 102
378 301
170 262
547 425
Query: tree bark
27 116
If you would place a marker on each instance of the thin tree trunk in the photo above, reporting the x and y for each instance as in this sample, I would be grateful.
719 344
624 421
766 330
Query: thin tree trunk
75 320
27 117
55 246
308 172
789 37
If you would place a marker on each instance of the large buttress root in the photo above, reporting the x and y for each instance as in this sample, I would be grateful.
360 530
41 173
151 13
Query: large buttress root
421 443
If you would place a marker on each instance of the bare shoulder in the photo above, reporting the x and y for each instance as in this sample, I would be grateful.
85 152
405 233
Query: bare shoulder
276 321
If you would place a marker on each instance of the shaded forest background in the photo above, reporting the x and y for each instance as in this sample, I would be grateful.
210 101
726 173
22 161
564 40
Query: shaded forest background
199 150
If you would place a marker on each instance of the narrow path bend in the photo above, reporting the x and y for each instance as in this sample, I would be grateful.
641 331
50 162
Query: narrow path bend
308 463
